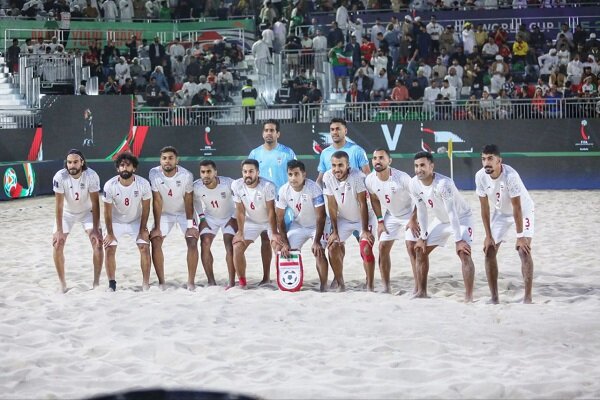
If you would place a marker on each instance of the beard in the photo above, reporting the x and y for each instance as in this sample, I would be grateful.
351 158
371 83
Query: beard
379 168
74 171
488 170
125 174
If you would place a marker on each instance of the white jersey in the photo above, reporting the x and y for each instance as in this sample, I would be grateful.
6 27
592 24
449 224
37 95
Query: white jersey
126 200
393 194
76 191
501 190
172 189
302 203
217 202
346 193
254 199
444 201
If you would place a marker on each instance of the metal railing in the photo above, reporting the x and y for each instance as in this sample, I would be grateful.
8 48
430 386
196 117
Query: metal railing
11 119
371 112
50 68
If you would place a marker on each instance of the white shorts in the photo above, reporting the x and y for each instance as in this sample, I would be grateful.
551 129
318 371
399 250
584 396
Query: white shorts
216 224
121 230
396 228
346 228
68 220
501 224
252 231
168 221
298 235
440 232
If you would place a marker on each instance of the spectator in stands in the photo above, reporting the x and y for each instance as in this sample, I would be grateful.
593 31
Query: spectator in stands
111 87
435 30
13 56
379 60
439 67
538 104
160 79
415 91
547 63
500 35
126 10
367 49
110 11
203 84
224 84
592 45
342 18
90 11
312 101
490 50
509 86
430 95
128 88
392 40
194 68
486 105
335 36
353 50
339 64
122 71
354 110
553 98
132 47
279 34
498 72
357 29
364 83
591 63
262 57
400 92
537 40
380 86
190 88
564 55
156 53
285 95
178 70
313 28
520 49
481 37
449 92
138 75
579 36
575 70
472 108
588 88
375 30
268 36
566 33
447 39
293 48
268 14
423 43
503 105
175 49
468 39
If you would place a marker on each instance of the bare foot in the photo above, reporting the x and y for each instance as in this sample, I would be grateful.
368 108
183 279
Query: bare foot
191 286
420 295
493 301
527 301
264 282
145 287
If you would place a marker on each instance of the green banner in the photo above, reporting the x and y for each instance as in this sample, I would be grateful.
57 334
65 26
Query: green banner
84 33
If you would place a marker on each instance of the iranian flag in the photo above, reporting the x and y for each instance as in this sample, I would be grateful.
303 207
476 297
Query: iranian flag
344 59
291 261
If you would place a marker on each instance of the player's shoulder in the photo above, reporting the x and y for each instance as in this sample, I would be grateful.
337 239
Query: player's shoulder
480 174
61 175
286 149
225 181
356 173
265 183
111 182
398 174
140 180
312 186
182 171
154 172
90 173
237 184
198 184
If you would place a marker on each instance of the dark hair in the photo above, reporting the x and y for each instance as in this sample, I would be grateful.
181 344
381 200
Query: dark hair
272 121
250 161
168 149
208 163
127 156
293 164
338 121
80 154
491 149
386 151
341 154
424 154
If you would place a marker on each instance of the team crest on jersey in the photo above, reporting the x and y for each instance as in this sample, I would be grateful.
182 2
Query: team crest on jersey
136 193
279 160
258 196
501 186
393 188
178 183
223 195
82 185
304 197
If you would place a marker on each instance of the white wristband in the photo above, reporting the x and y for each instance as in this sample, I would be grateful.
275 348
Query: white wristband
190 223
520 235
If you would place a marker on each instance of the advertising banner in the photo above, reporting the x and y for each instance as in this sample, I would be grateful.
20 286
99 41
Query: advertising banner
27 179
15 144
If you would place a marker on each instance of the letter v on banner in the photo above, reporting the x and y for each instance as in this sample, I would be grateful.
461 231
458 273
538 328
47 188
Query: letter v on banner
392 141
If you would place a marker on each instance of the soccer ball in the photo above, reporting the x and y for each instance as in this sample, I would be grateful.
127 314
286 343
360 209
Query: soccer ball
584 122
10 181
289 278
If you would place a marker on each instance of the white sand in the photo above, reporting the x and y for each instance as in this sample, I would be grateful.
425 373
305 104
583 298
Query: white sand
304 345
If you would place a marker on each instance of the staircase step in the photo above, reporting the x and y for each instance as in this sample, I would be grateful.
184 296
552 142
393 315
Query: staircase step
4 90
10 97
15 106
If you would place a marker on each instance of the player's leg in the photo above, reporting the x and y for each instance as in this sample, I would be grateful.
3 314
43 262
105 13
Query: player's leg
239 260
192 261
111 265
145 262
385 263
368 256
228 241
527 271
266 253
491 272
158 258
206 256
58 254
97 249
336 259
468 268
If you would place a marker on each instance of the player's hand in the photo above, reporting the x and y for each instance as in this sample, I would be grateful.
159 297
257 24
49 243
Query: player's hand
108 240
143 235
192 232
285 250
317 249
463 246
155 232
277 240
523 244
58 239
488 244
368 236
96 237
421 245
333 240
414 227
381 229
238 237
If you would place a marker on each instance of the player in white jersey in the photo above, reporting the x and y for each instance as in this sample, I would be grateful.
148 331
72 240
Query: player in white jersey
126 210
213 202
77 200
346 195
254 199
305 198
173 204
436 193
502 186
390 197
